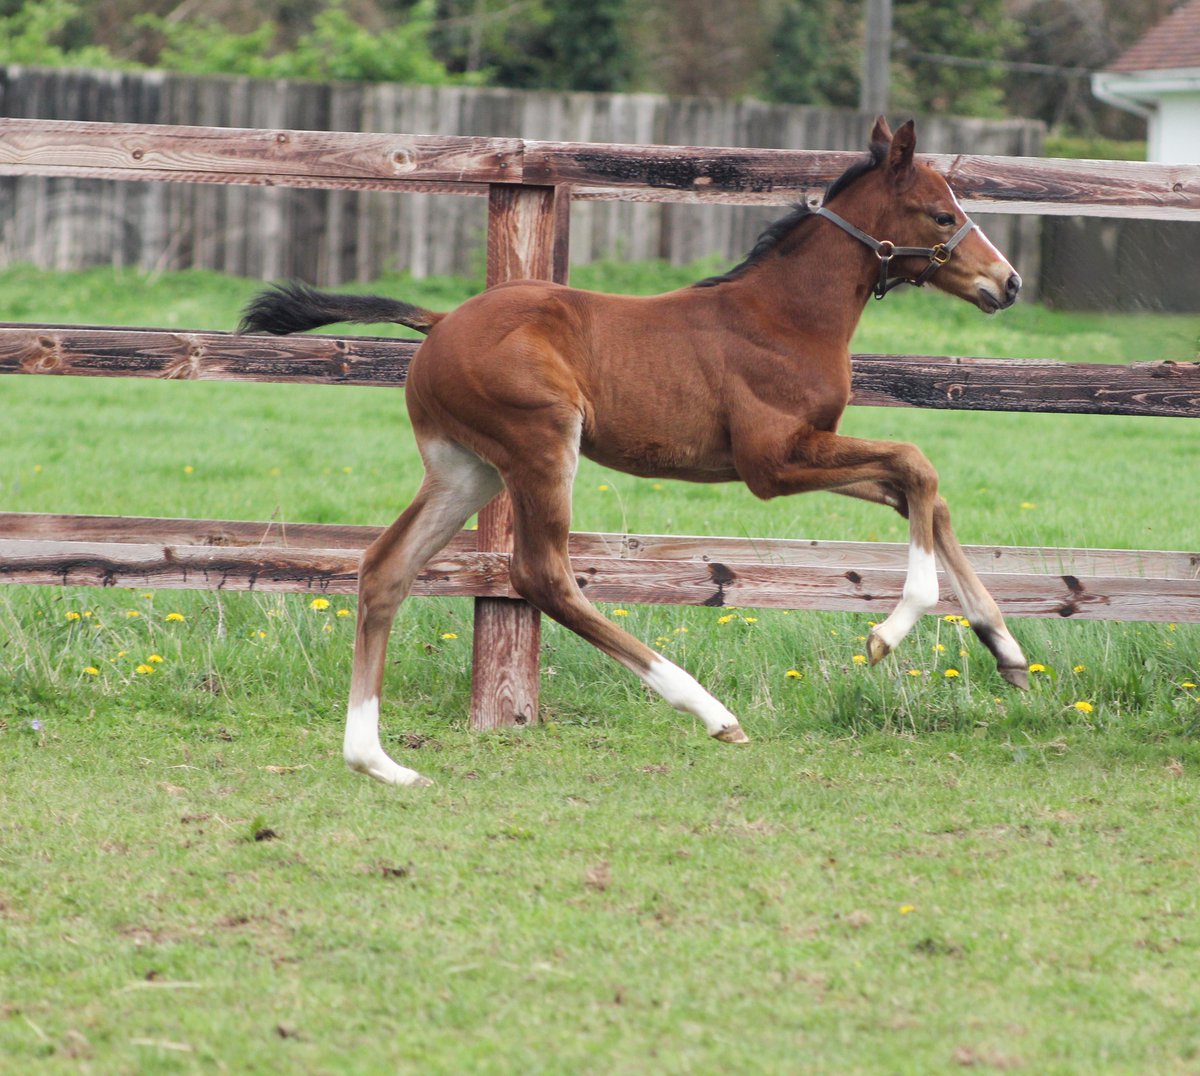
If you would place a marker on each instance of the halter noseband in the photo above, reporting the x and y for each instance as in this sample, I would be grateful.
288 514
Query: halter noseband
886 250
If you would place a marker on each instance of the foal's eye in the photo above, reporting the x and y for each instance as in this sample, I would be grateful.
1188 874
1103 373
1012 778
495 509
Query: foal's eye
944 219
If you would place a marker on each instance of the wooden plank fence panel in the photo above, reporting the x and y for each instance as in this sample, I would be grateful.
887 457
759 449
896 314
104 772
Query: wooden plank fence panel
793 552
332 159
1170 389
339 160
480 574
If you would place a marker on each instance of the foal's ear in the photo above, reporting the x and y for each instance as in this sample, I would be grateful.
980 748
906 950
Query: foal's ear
900 156
881 133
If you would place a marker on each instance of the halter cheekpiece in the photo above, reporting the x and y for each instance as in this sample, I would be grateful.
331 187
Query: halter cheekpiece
885 251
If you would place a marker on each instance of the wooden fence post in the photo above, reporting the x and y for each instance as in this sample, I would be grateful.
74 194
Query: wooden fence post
527 238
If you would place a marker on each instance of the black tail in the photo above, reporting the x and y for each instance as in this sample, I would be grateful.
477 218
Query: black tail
294 307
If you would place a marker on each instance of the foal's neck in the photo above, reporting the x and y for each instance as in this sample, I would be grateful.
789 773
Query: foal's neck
821 285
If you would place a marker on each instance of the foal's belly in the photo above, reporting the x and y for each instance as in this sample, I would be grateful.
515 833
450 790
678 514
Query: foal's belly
654 455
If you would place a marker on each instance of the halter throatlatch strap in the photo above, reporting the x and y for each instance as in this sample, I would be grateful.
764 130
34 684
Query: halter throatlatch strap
885 251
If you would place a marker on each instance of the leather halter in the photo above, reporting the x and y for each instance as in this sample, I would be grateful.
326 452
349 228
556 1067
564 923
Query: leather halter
886 250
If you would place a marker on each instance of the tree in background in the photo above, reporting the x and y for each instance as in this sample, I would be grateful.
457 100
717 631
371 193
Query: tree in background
537 44
940 53
814 53
1071 38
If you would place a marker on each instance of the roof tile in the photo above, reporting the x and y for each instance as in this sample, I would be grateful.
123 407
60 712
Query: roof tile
1172 43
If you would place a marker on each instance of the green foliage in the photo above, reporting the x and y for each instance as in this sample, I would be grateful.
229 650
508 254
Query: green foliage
813 59
35 35
540 44
584 46
336 47
974 30
1078 147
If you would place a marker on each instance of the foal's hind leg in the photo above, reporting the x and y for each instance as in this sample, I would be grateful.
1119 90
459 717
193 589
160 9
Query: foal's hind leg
457 484
541 573
980 607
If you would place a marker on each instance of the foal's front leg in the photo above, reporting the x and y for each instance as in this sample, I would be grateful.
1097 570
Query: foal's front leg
982 612
820 460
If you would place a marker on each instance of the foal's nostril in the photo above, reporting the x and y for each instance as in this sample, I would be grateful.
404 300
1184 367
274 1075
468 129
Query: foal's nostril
1012 286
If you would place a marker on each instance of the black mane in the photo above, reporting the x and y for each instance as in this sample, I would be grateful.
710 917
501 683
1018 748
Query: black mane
777 232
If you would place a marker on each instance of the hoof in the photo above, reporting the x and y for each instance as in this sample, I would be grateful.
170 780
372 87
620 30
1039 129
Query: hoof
1017 675
732 734
877 649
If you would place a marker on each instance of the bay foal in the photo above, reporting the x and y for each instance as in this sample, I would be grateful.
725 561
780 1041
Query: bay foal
742 377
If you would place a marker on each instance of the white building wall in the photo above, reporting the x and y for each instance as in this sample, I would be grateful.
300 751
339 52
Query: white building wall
1174 134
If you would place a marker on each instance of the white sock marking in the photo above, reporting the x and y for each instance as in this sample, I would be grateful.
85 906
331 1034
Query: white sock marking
363 752
919 596
684 693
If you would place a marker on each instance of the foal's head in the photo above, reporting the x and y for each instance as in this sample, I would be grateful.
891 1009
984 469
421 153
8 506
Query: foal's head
908 204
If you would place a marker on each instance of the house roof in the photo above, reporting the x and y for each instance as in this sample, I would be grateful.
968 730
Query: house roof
1170 44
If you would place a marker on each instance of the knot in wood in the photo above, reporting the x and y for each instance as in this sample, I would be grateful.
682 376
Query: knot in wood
403 160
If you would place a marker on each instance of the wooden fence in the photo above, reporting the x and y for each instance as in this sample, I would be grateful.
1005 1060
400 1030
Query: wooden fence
328 237
529 186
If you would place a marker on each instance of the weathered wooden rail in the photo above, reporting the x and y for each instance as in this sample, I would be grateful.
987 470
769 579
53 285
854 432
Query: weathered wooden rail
530 186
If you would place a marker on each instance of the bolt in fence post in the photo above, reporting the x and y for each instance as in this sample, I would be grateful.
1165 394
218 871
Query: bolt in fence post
527 239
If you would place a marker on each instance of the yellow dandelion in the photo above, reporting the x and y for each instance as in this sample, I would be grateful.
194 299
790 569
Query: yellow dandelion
1078 668
87 614
155 659
148 596
793 674
657 486
681 631
750 619
189 469
620 612
907 909
951 618
319 604
275 472
144 670
1037 667
449 635
1187 684
859 659
1084 707
964 654
175 618
91 670
131 613
604 487
73 615
262 634
914 672
347 470
725 619
950 674
1170 627
1026 505
122 653
939 648
327 627
345 612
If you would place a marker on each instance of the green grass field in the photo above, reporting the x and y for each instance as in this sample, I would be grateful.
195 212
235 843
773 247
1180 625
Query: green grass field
904 872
